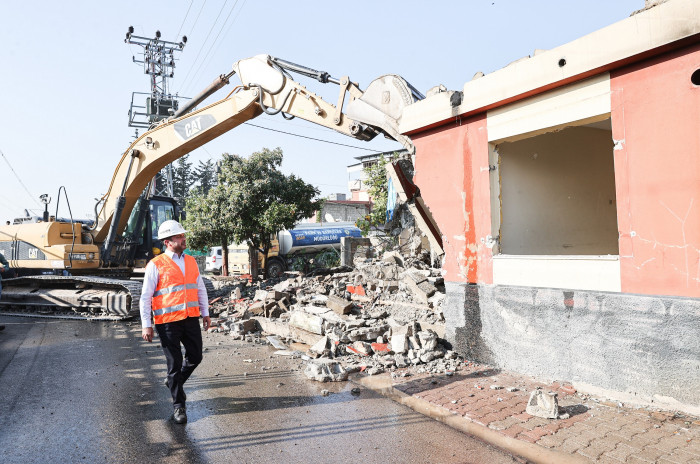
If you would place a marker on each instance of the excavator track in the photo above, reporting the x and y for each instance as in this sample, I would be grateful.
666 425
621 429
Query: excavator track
73 297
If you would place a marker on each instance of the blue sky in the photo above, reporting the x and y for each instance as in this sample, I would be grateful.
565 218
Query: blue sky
67 75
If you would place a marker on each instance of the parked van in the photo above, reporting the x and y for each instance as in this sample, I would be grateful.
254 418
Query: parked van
214 260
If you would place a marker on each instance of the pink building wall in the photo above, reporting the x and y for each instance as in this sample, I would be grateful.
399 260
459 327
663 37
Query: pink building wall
656 124
450 163
656 121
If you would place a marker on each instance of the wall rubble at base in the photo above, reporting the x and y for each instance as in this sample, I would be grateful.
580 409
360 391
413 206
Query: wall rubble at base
349 247
647 347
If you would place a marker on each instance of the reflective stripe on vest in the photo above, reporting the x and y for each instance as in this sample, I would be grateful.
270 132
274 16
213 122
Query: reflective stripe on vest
179 307
176 296
175 288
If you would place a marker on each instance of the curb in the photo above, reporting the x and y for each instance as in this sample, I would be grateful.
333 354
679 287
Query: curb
531 452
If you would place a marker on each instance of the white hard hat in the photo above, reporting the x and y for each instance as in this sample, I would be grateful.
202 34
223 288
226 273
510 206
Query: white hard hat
170 228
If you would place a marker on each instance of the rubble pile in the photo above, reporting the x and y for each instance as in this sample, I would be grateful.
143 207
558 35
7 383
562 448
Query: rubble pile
384 314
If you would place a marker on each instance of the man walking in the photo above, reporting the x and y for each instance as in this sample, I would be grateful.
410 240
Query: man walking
174 296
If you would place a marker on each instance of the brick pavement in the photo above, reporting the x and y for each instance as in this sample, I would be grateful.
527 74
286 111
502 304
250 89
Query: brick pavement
597 430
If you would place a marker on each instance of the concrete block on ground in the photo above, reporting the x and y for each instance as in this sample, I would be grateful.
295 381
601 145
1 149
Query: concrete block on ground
321 347
257 308
399 343
366 333
325 370
428 339
543 404
339 305
309 322
361 348
260 295
419 287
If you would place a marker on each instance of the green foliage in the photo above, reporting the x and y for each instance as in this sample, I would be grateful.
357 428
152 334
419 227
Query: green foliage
207 220
377 183
205 176
183 179
252 200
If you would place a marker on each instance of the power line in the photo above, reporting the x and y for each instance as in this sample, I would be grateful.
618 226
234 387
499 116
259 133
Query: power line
205 40
197 18
229 29
204 60
184 19
310 138
20 180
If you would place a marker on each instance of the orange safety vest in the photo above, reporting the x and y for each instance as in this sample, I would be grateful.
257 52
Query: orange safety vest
176 296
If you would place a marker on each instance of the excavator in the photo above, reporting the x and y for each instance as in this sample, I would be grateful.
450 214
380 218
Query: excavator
89 269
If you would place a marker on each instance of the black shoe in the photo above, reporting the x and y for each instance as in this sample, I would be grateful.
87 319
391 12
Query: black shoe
2 327
180 416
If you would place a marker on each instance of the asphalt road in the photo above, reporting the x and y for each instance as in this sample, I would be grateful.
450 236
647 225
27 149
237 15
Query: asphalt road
78 391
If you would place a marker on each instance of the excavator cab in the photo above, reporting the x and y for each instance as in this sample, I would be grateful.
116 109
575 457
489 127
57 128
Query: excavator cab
142 228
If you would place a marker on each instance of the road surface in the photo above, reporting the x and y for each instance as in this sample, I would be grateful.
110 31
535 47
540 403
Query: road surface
78 391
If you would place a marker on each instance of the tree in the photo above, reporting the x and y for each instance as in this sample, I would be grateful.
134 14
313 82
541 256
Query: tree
208 222
378 186
262 199
205 176
252 201
183 179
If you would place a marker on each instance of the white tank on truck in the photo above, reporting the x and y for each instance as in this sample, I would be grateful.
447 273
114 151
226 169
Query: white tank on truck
314 237
304 242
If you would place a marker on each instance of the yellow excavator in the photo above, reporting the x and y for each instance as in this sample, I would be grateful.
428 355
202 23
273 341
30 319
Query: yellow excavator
86 269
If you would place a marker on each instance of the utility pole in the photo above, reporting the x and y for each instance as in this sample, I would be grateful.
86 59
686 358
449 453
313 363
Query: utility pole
159 64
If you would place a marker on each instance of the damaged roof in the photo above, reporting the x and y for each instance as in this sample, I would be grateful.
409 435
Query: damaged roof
657 28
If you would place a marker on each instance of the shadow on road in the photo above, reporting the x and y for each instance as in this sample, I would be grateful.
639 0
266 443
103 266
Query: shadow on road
327 430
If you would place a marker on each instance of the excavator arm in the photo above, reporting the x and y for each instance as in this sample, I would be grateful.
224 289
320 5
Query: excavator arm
267 87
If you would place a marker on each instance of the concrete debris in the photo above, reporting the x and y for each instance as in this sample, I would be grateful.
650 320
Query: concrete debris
325 370
543 404
383 314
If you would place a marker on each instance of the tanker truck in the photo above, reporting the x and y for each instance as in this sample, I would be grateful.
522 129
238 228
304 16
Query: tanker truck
293 248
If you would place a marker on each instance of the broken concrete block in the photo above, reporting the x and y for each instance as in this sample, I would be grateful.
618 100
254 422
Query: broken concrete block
401 360
244 327
273 312
361 348
393 257
339 305
237 293
427 356
274 295
366 333
276 342
399 343
309 322
428 339
543 404
325 370
260 295
419 287
257 308
322 347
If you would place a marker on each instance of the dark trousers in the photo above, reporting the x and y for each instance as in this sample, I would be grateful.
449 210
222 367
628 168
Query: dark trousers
172 334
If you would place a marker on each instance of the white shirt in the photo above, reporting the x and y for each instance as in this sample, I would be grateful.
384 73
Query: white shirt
150 282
